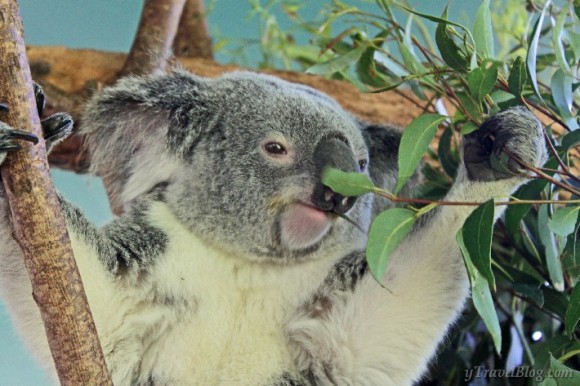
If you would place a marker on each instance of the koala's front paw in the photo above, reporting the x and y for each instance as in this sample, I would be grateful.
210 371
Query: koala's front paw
518 131
55 128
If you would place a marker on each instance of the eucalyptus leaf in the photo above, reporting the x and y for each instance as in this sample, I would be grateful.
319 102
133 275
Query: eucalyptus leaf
414 142
573 310
387 231
561 86
483 31
563 220
533 49
571 140
345 183
468 127
477 234
450 51
469 104
550 248
338 63
481 296
448 158
531 292
518 77
560 375
558 44
515 213
367 72
481 81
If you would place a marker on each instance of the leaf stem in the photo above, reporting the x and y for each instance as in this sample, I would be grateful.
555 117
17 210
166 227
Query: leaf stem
408 200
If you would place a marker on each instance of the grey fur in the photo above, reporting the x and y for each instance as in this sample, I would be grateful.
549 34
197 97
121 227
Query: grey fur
205 228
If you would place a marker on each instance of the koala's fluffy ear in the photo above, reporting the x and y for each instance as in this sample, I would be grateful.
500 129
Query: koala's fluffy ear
138 130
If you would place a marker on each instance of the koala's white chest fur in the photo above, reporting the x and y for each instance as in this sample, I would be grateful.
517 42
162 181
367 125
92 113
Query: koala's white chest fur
222 316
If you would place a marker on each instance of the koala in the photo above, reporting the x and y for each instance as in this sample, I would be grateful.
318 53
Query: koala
232 263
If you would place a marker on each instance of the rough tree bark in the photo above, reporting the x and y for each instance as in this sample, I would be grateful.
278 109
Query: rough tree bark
68 75
39 226
192 39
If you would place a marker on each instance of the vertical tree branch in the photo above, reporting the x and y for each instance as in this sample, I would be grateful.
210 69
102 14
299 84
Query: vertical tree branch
192 39
152 45
39 226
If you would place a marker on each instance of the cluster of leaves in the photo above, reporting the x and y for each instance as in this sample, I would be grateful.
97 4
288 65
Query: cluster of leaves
525 271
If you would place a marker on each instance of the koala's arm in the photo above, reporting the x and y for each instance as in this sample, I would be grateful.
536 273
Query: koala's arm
105 257
354 332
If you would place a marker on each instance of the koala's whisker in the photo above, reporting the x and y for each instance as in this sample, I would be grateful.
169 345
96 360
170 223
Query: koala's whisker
350 221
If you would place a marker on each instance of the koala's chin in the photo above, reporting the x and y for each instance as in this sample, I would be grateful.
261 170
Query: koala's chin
302 226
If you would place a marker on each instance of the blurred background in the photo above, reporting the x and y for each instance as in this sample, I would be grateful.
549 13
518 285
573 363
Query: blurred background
110 25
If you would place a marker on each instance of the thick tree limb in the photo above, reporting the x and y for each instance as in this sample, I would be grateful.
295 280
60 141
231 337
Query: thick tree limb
69 76
192 39
39 226
151 48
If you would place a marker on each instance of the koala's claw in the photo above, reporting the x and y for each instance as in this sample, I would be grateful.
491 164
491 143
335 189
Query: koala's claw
517 131
55 128
40 98
7 137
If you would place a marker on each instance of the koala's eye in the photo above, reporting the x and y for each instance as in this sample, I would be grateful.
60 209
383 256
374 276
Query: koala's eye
362 164
275 148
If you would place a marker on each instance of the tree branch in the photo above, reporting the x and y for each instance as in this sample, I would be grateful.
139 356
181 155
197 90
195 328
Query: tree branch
192 39
39 226
151 48
69 76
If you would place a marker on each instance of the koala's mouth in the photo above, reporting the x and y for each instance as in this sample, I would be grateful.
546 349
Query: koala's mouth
302 225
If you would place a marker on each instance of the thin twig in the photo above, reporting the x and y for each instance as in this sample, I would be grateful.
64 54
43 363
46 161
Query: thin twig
409 200
543 175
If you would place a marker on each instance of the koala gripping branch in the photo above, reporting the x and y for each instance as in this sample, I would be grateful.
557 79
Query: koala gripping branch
39 226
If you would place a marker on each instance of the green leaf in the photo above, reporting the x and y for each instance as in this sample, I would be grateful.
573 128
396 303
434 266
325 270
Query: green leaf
448 158
560 375
450 51
366 70
550 248
499 162
347 184
469 104
338 63
563 220
468 127
481 81
533 49
387 231
518 77
573 310
530 291
561 86
414 142
483 31
570 140
515 213
557 35
481 295
555 301
477 231
575 44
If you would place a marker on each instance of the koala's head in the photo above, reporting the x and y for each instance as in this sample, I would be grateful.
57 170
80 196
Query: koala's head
241 157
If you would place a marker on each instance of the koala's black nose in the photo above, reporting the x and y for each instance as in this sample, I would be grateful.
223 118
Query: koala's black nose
333 152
